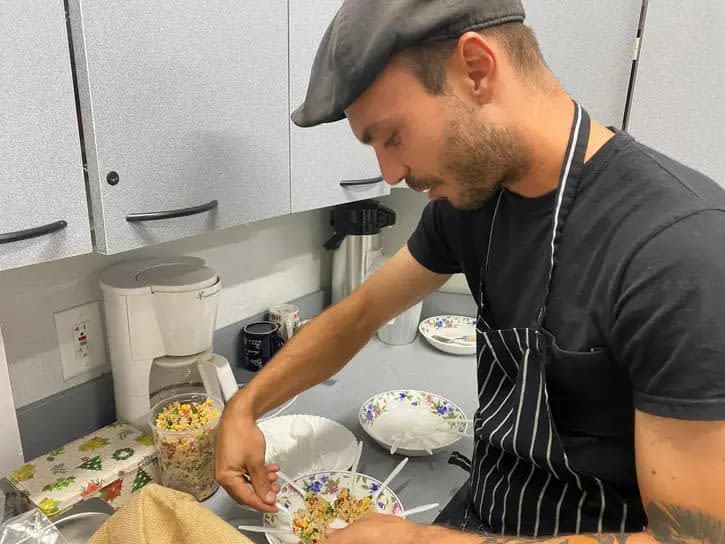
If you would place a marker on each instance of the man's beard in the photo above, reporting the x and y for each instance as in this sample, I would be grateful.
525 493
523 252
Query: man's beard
479 158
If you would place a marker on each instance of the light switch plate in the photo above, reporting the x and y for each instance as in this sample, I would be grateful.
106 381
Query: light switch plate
81 342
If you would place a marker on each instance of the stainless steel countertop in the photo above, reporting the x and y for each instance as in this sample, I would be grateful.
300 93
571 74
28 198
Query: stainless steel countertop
376 368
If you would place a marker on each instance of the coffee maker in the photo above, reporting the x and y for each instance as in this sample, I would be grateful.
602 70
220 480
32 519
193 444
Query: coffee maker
356 243
160 321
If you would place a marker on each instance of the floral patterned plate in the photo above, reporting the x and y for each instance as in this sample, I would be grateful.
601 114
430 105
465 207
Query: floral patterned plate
415 422
454 334
327 484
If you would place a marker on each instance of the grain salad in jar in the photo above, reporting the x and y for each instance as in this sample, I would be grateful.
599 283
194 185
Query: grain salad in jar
185 428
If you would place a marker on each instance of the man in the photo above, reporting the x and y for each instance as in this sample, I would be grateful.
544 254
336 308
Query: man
596 263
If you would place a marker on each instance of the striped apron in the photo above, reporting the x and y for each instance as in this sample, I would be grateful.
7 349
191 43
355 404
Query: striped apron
521 480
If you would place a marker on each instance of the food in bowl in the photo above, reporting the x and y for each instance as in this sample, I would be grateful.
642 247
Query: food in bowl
310 523
185 434
328 497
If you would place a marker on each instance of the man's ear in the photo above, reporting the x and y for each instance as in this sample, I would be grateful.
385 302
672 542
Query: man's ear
474 66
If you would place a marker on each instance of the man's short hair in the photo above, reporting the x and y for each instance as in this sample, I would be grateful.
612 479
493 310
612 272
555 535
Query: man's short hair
428 61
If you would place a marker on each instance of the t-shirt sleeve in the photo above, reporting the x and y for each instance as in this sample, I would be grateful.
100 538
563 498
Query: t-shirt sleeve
669 320
430 242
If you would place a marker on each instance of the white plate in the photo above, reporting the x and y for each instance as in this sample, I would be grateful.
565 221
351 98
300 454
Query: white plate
451 327
332 446
327 484
389 416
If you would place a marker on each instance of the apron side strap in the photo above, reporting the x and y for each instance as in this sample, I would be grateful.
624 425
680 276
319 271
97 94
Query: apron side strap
461 461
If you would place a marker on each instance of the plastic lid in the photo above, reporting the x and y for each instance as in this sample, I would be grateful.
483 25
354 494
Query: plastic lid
358 219
176 277
172 274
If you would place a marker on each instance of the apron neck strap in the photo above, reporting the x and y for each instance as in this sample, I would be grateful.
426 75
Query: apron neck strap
569 178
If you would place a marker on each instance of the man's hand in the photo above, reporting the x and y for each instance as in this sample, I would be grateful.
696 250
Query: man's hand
377 528
240 451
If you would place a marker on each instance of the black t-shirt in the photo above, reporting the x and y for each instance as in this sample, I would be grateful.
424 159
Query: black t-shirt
637 302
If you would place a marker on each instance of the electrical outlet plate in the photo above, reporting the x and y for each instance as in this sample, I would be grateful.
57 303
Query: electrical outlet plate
81 342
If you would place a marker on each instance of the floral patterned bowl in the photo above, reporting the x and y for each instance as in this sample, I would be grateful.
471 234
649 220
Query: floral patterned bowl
413 423
454 334
327 484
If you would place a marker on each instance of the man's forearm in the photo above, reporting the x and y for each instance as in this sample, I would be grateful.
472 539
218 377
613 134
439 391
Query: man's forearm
668 523
313 355
438 535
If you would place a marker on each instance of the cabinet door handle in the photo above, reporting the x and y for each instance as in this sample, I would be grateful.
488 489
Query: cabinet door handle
35 232
358 182
171 214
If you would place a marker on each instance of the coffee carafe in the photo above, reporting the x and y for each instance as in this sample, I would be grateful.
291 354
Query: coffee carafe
356 243
207 372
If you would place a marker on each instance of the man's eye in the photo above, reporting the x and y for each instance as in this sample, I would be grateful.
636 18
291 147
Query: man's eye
392 141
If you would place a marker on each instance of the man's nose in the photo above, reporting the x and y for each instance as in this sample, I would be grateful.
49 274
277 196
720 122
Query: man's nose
393 171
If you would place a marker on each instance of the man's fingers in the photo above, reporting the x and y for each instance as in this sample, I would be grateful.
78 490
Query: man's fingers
261 483
243 492
272 477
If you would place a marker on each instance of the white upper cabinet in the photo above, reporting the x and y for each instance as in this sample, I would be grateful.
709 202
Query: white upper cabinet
185 115
589 45
42 194
677 105
329 166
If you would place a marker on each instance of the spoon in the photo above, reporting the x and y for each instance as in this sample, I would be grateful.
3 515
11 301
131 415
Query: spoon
267 530
291 483
455 340
418 509
282 508
389 479
355 463
426 443
458 420
395 444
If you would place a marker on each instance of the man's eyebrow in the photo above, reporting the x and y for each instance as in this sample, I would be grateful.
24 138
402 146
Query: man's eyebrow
369 133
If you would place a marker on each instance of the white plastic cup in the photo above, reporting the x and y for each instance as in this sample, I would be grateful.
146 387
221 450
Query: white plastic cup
402 329
186 458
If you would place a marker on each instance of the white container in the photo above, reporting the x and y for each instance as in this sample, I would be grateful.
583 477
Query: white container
402 329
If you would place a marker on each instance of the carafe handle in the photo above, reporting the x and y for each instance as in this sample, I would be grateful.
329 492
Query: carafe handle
218 378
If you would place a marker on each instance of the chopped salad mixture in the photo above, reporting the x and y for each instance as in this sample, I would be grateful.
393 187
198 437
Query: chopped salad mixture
186 416
185 435
310 523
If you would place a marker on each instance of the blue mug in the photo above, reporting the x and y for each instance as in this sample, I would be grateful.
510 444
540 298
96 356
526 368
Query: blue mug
260 341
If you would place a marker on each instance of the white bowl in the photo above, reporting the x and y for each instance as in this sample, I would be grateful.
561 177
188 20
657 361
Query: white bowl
327 484
451 327
388 416
331 446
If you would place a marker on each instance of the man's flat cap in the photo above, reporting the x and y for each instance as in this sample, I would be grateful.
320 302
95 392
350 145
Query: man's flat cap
364 34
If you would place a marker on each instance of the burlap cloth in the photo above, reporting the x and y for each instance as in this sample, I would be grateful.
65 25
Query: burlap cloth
158 515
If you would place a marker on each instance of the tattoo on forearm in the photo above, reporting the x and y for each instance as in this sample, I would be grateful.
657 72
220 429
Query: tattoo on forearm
680 525
668 523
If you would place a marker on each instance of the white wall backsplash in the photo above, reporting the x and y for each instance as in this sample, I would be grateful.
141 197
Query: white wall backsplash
408 206
11 453
260 264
